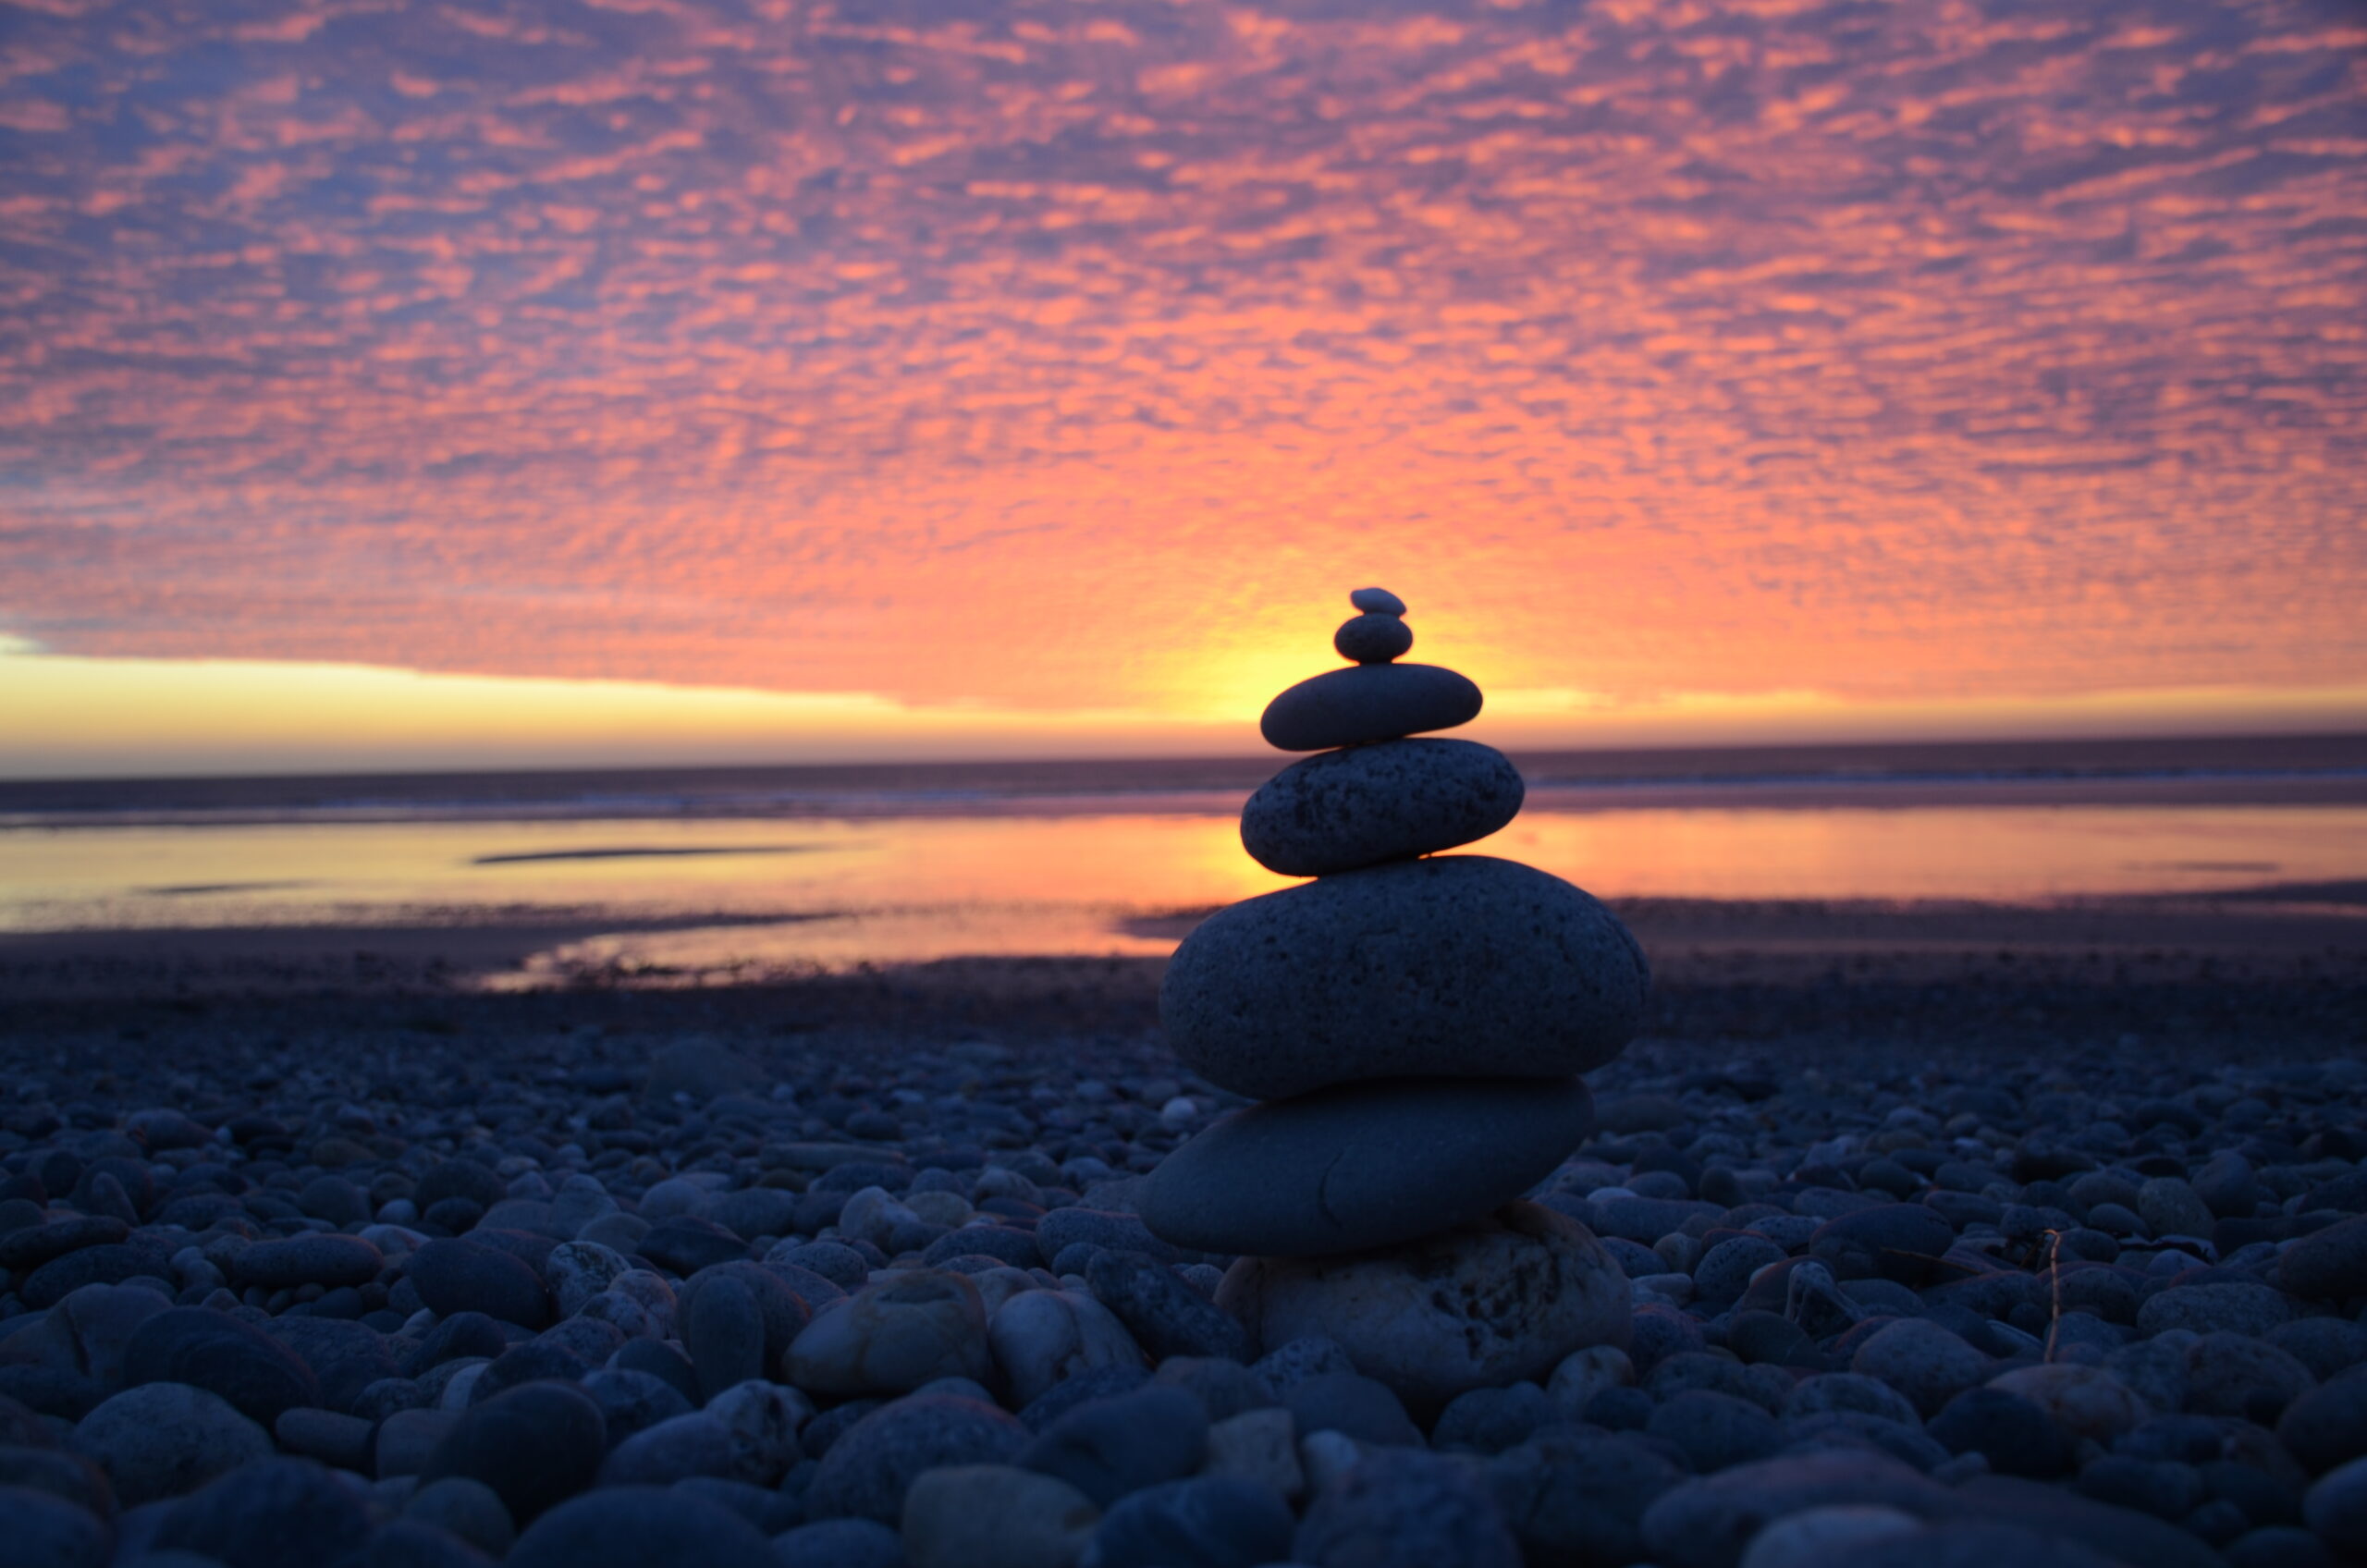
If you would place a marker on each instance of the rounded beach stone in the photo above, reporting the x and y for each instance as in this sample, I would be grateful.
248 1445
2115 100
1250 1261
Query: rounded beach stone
1921 1360
1812 1538
1576 1495
2231 1307
633 1402
79 1480
1349 1402
1203 1522
840 1543
576 1271
325 1259
638 1527
1337 810
1377 601
867 1472
893 1337
465 1277
2327 1426
1400 1507
2327 1265
43 1531
1715 1431
688 1445
1107 1448
1500 1301
161 1439
995 1516
534 1446
725 1334
763 1420
1709 1522
468 1509
276 1513
1042 1338
1373 639
784 1310
2088 1401
458 1179
2337 1506
1364 1164
2017 1435
1367 702
1165 1315
224 1355
1461 966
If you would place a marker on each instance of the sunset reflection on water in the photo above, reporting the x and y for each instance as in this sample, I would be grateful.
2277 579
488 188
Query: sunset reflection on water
833 892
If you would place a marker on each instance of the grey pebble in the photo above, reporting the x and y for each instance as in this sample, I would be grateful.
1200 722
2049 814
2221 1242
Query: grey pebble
1453 967
1367 702
1338 811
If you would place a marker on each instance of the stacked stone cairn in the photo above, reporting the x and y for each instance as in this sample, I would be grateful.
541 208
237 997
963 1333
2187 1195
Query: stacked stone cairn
1413 1025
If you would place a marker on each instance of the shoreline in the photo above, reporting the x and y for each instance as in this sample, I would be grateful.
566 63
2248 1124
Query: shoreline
2246 975
2207 771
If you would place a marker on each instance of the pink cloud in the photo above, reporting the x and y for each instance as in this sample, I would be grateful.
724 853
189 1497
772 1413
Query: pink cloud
1958 350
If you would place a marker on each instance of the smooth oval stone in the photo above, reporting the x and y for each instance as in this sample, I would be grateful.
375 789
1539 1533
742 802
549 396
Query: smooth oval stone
1377 601
1458 966
634 1527
1364 1164
1338 811
457 1276
329 1259
1366 702
227 1356
1484 1306
1372 639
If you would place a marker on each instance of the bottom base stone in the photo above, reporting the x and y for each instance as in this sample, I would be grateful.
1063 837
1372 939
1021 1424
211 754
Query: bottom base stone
1483 1305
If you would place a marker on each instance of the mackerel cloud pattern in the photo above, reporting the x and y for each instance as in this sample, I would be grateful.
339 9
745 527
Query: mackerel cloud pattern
1985 346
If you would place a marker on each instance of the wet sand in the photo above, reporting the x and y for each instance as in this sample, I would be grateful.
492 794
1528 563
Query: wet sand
2215 975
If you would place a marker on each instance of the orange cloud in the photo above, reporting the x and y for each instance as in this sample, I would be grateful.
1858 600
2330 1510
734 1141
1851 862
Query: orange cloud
1899 355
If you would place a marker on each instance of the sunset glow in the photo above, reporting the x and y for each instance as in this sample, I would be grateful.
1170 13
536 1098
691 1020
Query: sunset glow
768 379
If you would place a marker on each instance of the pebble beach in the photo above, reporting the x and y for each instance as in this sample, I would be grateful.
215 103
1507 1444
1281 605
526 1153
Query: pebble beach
417 1279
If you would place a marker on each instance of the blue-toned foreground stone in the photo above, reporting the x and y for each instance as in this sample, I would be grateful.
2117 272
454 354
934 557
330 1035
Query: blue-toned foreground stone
1364 1164
1337 810
1367 702
1373 639
1483 1306
634 1527
1461 966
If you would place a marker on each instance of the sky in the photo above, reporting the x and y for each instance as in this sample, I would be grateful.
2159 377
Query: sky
386 382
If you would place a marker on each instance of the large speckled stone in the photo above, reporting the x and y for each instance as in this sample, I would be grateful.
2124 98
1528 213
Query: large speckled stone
1364 1164
1457 966
1366 702
1337 810
1483 1306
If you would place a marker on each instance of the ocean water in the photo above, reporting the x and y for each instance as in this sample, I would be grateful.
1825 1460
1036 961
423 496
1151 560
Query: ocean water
713 872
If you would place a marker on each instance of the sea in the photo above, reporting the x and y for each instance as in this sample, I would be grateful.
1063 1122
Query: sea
717 871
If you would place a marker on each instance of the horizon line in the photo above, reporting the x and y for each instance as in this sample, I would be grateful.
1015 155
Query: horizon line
1185 760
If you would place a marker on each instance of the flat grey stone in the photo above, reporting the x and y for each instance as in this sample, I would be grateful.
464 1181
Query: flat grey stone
1373 639
1457 966
1364 1164
1366 703
1337 810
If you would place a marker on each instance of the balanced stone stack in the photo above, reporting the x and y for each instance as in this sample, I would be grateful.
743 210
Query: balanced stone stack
1414 1024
